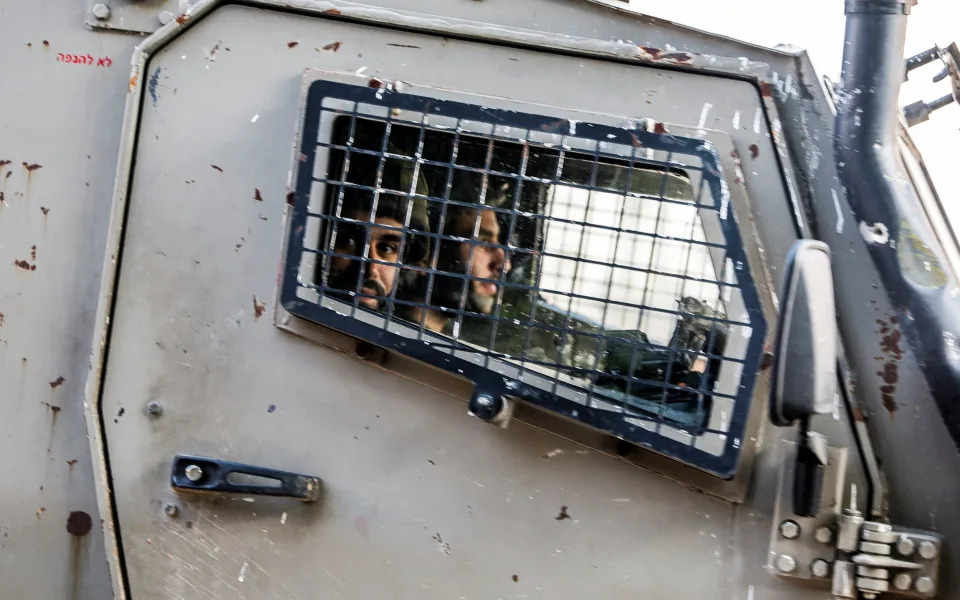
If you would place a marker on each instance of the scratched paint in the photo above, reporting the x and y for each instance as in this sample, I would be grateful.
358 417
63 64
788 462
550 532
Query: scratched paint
152 85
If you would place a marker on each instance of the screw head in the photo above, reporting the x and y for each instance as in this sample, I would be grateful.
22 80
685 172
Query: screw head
786 563
924 585
824 535
928 550
905 546
101 12
165 17
820 568
790 529
193 472
902 581
154 409
171 510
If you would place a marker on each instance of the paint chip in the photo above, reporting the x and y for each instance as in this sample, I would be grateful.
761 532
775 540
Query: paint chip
283 519
57 383
243 572
258 308
217 168
254 118
292 44
256 195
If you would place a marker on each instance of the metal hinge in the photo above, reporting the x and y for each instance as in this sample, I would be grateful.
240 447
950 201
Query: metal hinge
840 550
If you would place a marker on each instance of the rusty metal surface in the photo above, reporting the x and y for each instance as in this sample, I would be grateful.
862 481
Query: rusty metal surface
416 493
59 130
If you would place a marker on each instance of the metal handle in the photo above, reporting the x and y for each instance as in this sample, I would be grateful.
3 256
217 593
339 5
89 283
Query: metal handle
196 474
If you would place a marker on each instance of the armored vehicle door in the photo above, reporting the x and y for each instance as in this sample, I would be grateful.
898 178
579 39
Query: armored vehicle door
401 307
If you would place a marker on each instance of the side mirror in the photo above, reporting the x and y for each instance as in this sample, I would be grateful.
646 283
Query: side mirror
804 377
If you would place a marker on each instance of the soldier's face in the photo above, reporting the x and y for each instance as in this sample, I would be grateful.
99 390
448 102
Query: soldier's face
377 279
482 261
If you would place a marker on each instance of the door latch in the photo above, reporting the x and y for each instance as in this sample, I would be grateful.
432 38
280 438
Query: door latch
196 474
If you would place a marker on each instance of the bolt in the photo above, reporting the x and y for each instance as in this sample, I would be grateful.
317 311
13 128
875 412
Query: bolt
924 585
905 546
154 409
789 529
902 581
101 12
193 472
928 550
786 563
820 568
165 17
171 510
824 535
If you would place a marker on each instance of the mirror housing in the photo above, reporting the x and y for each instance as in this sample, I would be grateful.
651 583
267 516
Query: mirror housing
804 377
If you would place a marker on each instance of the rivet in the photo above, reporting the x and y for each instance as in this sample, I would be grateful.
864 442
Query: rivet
905 546
820 568
902 581
171 510
924 585
824 535
786 563
101 12
928 550
789 529
154 409
193 472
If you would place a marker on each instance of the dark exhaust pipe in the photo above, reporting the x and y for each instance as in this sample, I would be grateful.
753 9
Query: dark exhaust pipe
890 217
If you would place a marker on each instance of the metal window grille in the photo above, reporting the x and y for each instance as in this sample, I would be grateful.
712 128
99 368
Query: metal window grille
592 270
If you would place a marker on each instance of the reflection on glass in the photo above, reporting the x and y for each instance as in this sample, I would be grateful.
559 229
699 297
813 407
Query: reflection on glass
595 272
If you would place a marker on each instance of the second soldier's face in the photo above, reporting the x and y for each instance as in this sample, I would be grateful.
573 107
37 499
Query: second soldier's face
377 279
486 262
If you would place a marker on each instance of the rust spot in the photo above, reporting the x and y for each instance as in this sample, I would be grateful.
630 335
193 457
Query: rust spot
332 11
46 43
754 151
890 373
375 83
133 81
33 252
659 128
22 264
333 46
767 361
32 167
515 578
292 44
44 210
256 195
57 382
183 19
563 514
40 511
858 415
886 393
29 44
5 162
2 319
79 523
681 57
654 52
404 46
766 90
290 198
890 344
258 308
217 168
72 462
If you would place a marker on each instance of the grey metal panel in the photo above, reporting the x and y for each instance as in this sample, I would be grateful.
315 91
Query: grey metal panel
65 118
199 247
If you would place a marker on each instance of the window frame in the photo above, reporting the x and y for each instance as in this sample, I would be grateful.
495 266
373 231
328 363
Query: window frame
488 380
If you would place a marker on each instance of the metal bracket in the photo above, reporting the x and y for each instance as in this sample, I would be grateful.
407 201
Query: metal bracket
841 551
135 16
197 474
